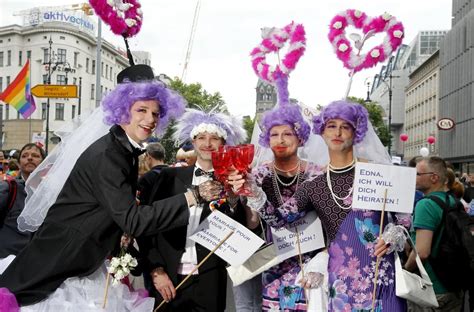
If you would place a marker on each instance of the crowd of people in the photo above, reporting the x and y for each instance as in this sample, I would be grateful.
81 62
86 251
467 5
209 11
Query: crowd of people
86 202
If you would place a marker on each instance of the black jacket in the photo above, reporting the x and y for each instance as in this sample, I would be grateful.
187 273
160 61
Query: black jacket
11 239
168 246
96 205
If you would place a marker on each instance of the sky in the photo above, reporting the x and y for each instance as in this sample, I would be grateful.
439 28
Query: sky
228 30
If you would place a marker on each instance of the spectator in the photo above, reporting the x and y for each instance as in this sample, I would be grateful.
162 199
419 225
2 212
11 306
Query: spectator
155 161
431 179
12 239
469 189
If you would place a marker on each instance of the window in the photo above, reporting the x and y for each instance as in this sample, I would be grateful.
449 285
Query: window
102 69
8 80
101 91
20 58
62 38
110 75
1 59
74 81
7 112
45 79
93 67
92 91
61 79
106 71
59 111
45 56
43 111
28 55
1 84
87 65
62 55
9 58
73 112
17 115
76 56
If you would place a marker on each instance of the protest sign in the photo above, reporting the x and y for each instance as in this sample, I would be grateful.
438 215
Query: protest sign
310 233
237 249
371 181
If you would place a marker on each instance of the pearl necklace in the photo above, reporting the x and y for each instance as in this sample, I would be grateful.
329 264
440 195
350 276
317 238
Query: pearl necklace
286 171
342 169
328 180
298 167
277 188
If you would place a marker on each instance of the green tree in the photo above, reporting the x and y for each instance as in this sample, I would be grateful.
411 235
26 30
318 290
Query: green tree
248 126
197 98
376 118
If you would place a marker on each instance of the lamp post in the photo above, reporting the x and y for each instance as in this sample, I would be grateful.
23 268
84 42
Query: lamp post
52 66
389 87
79 102
50 56
368 100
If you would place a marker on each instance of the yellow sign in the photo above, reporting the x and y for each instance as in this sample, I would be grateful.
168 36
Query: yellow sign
55 91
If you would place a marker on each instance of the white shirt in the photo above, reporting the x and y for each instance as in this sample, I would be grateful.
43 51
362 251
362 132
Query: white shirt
189 257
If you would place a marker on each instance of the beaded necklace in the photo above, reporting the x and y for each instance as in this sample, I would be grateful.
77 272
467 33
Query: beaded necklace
277 180
328 180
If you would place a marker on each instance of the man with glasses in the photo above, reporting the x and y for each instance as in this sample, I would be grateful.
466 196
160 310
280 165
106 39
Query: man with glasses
428 219
155 159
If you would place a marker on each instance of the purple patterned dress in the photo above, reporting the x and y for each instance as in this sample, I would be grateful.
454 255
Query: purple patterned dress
281 291
352 234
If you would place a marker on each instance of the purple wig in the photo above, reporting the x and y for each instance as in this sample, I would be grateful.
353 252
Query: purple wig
284 113
355 114
118 102
235 133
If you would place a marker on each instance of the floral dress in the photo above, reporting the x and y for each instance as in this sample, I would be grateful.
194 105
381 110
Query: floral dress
352 235
281 290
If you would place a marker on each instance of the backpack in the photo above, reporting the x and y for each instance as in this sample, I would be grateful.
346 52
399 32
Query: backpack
12 189
454 263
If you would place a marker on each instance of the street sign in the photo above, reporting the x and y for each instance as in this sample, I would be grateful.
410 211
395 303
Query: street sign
54 91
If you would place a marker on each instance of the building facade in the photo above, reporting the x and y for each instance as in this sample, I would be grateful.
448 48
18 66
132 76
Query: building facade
266 98
457 87
421 107
62 48
394 77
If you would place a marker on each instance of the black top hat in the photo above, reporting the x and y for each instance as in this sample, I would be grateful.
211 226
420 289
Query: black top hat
136 73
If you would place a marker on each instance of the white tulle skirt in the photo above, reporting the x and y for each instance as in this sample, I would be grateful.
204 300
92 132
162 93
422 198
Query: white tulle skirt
86 294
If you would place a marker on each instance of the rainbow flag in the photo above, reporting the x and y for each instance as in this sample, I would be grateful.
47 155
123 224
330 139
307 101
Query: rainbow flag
18 93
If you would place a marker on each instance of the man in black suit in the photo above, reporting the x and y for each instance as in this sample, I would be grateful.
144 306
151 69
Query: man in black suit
155 160
97 202
174 255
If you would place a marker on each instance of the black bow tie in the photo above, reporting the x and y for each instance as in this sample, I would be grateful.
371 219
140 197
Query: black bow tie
199 172
137 151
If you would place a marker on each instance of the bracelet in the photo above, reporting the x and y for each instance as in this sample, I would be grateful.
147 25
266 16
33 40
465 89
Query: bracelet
157 270
195 191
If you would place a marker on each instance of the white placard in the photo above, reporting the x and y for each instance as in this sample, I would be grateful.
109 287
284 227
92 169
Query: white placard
38 138
235 250
371 181
310 233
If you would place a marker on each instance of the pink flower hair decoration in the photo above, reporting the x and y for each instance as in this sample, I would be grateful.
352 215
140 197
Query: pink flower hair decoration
370 26
273 40
123 16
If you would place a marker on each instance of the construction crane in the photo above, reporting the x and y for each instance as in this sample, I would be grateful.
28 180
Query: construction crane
191 40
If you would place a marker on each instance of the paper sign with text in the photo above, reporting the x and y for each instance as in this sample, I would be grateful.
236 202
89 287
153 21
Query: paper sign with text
310 233
235 250
371 181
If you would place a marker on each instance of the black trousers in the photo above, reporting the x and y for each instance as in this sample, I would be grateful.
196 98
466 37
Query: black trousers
199 294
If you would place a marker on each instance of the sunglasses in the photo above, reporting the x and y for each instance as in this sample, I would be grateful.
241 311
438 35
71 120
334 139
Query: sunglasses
423 173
